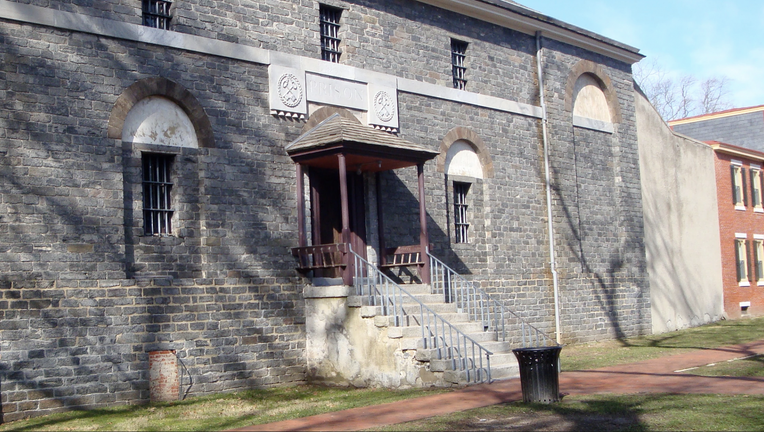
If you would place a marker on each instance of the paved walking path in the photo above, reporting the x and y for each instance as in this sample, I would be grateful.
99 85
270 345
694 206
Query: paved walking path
649 376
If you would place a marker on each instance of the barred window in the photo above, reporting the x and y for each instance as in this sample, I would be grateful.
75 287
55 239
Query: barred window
156 13
329 18
460 212
458 54
157 187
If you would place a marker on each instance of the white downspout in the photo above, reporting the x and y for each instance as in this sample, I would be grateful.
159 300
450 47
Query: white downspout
547 179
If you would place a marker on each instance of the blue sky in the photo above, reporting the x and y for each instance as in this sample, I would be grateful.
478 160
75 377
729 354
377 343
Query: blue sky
703 38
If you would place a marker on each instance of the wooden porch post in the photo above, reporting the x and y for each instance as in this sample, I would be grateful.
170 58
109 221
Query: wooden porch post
347 275
423 238
303 238
380 226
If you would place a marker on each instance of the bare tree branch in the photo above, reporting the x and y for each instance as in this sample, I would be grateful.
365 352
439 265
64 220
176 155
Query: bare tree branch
683 98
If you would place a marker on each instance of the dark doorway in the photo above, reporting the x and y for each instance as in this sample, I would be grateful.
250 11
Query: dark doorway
326 211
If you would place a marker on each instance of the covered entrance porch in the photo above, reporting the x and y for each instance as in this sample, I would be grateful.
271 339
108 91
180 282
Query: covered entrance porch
336 153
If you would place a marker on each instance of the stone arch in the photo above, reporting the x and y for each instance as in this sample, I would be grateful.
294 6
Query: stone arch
463 134
597 74
168 89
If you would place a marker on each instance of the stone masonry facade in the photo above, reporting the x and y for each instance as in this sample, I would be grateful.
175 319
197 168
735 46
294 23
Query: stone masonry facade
85 295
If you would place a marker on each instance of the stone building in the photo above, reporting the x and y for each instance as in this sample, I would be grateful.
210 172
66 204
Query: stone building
167 168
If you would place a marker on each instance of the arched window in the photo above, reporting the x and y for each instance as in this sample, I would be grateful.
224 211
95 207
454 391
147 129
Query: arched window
463 168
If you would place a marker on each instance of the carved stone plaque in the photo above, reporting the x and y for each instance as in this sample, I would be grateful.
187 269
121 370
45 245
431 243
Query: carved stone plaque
383 109
287 90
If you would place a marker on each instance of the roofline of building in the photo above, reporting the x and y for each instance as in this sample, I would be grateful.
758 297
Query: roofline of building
525 20
716 115
735 150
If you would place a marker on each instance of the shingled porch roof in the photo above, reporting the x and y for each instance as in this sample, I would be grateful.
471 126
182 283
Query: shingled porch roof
366 148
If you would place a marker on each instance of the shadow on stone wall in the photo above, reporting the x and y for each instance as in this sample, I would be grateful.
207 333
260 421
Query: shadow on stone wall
65 304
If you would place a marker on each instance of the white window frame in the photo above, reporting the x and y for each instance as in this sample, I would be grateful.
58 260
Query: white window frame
756 189
742 269
738 185
758 258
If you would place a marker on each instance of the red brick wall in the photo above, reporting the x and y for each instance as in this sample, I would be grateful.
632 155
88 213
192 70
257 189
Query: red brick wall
163 376
733 221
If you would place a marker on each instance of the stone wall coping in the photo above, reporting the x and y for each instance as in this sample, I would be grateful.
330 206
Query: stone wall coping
337 291
589 123
169 39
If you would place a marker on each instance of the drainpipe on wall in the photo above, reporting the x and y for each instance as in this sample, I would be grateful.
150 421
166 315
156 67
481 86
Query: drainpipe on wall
547 179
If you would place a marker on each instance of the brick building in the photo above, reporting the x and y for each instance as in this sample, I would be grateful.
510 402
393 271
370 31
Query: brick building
741 227
160 165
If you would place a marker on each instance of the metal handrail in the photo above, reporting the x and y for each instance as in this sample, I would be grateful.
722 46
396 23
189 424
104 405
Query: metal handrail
480 306
439 335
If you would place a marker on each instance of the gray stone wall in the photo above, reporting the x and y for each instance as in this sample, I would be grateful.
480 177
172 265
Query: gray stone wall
85 344
66 199
404 38
596 184
75 331
85 295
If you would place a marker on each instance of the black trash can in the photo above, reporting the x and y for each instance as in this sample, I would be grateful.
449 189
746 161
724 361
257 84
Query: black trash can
539 373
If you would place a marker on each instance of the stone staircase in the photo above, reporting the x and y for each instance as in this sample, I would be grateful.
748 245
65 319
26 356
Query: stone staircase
408 334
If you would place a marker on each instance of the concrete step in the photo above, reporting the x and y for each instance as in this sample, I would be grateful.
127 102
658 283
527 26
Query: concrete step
368 300
504 371
416 331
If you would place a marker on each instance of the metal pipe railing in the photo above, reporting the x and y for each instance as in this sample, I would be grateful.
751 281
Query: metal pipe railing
438 335
480 306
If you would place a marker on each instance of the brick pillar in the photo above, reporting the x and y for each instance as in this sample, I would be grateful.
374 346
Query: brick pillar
163 376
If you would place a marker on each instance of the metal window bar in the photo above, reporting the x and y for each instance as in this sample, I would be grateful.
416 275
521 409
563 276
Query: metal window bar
480 306
329 19
458 55
157 201
460 212
156 13
446 341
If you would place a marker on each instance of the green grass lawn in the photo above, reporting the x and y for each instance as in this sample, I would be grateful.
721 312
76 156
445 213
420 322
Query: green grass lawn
225 411
745 367
611 412
610 353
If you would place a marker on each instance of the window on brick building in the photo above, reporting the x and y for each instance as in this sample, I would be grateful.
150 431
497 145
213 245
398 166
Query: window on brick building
460 212
156 13
458 68
329 18
741 260
756 188
758 258
157 189
738 185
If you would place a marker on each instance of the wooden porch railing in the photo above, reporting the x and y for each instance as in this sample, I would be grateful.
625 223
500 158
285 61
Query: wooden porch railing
403 256
321 256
